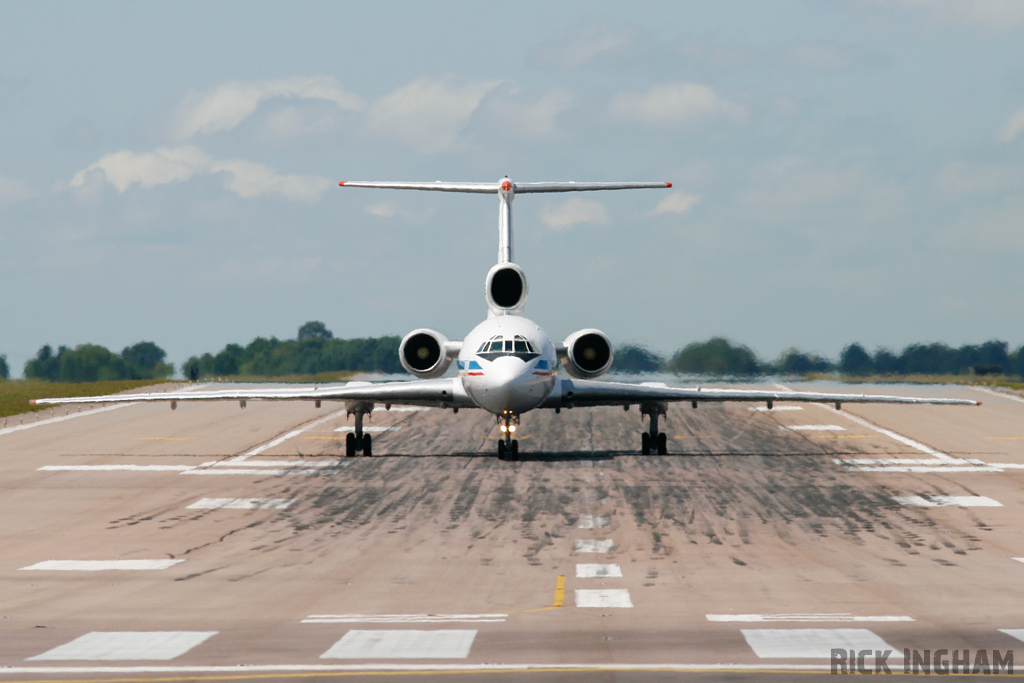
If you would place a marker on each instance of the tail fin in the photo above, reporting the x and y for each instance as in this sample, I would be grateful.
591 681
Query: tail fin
506 191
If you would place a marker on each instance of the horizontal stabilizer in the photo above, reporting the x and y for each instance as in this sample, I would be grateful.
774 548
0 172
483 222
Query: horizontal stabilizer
493 188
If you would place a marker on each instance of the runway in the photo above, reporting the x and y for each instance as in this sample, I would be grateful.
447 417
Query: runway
214 543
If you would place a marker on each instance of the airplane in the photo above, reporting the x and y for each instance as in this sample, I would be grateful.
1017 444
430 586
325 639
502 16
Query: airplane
507 365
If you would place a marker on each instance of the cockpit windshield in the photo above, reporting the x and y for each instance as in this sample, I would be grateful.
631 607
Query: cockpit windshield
498 346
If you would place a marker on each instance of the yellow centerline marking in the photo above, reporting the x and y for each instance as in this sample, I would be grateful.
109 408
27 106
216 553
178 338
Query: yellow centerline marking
690 436
555 604
1003 438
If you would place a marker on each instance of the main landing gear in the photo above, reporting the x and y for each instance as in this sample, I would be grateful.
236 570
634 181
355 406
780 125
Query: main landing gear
358 441
508 448
653 439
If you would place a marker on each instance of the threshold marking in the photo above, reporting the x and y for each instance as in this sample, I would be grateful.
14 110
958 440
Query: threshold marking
454 644
402 618
99 565
594 522
948 501
609 597
842 616
115 645
813 642
597 571
813 428
241 504
292 434
588 546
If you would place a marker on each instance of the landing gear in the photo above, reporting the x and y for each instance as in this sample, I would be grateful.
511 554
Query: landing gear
653 439
508 448
358 441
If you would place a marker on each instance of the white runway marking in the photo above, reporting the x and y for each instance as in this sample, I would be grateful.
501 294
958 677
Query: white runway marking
944 501
917 465
115 468
587 546
107 645
593 522
62 418
1000 394
402 618
776 409
611 597
370 429
755 618
813 642
402 645
241 504
1017 633
99 565
245 470
597 571
290 435
813 428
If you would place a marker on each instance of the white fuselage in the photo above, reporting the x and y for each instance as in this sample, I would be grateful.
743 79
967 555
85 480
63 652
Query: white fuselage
508 365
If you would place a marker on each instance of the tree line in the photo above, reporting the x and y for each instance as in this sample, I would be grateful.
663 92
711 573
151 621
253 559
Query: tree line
720 357
315 350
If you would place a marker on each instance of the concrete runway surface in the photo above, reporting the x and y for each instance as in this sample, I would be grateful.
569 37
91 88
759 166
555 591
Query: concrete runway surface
213 543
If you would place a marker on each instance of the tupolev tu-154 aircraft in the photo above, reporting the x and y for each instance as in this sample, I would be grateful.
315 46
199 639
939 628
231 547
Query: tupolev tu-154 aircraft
507 365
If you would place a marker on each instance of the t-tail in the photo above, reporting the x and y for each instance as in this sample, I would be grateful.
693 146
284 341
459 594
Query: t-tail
506 283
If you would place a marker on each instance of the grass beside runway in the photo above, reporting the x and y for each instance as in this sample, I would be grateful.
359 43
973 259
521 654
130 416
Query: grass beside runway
16 393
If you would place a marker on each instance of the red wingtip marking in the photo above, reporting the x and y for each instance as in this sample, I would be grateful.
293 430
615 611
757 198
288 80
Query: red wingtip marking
506 185
341 184
666 184
32 401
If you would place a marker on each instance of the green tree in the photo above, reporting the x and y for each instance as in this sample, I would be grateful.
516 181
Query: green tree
314 329
794 362
635 359
145 360
854 360
5 371
716 356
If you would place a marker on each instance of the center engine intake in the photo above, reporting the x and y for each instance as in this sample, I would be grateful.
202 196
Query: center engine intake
424 353
588 354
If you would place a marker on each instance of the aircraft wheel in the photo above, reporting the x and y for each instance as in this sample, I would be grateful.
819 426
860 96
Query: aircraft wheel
350 445
662 443
645 443
501 449
367 450
514 455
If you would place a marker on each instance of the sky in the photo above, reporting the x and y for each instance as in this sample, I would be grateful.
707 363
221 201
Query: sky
843 171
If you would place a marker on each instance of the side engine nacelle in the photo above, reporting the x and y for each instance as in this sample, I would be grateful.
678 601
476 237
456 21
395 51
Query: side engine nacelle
425 353
586 354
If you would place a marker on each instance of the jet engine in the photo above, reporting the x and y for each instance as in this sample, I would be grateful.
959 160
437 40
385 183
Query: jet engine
587 354
424 353
506 288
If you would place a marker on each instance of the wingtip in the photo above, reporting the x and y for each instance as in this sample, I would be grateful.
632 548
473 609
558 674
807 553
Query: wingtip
341 184
31 401
668 184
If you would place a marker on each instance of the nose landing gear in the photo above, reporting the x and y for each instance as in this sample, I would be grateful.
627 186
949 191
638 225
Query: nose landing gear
653 439
508 448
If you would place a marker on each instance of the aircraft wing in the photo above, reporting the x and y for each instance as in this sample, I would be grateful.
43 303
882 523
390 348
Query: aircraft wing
492 188
445 392
570 392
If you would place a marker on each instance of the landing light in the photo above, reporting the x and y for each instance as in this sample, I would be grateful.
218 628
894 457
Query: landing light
511 428
504 428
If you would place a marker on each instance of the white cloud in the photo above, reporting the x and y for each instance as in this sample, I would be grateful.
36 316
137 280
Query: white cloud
964 179
584 45
428 113
573 211
1013 126
677 202
177 164
382 209
534 118
13 191
226 106
672 104
996 14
